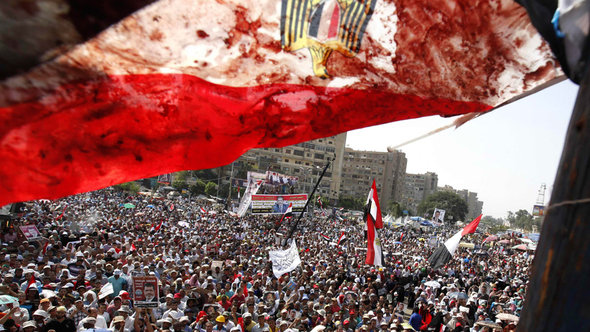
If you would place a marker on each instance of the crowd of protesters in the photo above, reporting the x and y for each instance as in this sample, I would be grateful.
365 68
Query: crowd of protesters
215 275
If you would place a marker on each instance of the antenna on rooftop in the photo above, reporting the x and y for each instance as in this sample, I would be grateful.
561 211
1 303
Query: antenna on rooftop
541 195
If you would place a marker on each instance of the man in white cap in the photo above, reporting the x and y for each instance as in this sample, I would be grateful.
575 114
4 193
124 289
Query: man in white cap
60 323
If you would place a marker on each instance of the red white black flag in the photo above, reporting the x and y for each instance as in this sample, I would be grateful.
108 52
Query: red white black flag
374 222
194 84
444 253
288 213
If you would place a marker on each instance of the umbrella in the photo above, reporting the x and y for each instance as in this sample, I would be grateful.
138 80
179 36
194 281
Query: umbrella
520 247
5 299
432 283
505 316
459 295
490 238
503 241
128 206
151 206
397 242
525 240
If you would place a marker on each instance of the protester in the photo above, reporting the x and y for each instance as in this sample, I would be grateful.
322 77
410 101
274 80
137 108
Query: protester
214 273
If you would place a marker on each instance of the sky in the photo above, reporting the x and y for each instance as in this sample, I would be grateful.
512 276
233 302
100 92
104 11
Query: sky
504 156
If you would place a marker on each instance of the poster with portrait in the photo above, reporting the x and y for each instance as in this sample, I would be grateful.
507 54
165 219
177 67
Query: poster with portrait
145 291
277 204
438 215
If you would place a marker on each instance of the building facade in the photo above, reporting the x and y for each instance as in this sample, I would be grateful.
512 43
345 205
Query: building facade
305 160
474 205
359 168
416 188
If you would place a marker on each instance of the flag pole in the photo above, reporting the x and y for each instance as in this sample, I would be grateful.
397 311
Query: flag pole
307 201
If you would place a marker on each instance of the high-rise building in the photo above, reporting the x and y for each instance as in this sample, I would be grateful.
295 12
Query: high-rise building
416 188
359 168
305 160
474 206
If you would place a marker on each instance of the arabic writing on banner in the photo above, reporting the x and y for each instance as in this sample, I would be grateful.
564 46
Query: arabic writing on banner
277 204
284 261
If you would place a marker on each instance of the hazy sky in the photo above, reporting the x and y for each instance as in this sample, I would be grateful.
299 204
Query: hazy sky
503 156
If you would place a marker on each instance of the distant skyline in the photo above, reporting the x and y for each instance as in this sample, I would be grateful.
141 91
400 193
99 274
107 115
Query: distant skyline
504 156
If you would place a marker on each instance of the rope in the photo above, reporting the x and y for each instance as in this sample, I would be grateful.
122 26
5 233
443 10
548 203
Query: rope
570 202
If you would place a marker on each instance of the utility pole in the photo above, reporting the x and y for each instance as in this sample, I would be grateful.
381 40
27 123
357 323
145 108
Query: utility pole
231 174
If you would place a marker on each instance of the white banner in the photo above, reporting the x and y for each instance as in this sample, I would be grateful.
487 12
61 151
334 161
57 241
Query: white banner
284 261
252 188
105 291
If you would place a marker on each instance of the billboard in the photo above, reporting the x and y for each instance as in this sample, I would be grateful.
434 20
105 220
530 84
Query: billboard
538 210
277 204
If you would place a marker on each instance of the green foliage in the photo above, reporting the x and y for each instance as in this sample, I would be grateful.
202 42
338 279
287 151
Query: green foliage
179 181
351 203
128 186
396 209
523 220
206 174
211 188
224 190
198 188
243 169
455 207
325 201
492 225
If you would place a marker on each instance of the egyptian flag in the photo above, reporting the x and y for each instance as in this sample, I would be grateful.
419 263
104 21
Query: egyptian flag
288 213
32 281
45 248
374 222
203 211
155 228
342 239
179 84
326 237
320 202
444 253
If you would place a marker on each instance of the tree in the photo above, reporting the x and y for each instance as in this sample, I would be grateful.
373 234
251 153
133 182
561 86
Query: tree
179 181
523 220
206 175
211 188
198 188
454 206
493 225
351 203
396 209
224 190
131 187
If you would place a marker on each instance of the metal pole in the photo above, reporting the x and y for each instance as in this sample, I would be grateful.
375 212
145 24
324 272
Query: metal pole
307 202
231 174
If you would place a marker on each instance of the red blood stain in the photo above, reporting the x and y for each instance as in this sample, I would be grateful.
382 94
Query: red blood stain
161 123
202 34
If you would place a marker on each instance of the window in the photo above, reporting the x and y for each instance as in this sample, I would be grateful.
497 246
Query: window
298 153
318 156
288 151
